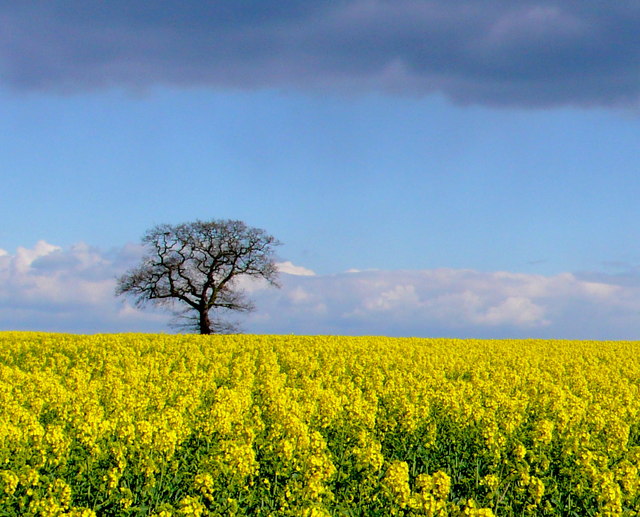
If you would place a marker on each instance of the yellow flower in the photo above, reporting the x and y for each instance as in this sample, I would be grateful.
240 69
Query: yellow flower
543 431
191 506
491 481
441 485
536 489
9 481
519 451
396 479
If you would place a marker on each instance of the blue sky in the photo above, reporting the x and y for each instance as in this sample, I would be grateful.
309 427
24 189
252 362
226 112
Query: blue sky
420 139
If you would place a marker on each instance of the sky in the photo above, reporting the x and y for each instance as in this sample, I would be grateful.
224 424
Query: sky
433 168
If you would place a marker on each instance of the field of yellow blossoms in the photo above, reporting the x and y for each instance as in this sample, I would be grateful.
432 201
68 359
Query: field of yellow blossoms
162 425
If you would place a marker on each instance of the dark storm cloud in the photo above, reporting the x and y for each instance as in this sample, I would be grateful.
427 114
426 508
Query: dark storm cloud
528 53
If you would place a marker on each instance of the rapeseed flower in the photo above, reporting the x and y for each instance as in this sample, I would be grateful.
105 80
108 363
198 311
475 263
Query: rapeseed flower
294 425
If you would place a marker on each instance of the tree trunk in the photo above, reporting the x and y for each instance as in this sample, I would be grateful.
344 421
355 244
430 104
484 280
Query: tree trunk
205 322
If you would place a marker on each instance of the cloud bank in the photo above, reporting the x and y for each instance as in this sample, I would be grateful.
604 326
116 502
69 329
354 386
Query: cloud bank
49 288
496 52
456 303
71 290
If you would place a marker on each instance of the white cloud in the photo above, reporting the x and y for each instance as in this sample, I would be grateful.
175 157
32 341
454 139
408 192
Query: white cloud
515 310
291 269
24 257
50 288
299 295
397 297
463 303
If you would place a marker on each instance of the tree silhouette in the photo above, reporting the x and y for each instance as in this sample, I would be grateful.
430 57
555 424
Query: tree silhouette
194 268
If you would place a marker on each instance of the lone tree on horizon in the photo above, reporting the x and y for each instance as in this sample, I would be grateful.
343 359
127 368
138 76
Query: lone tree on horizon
197 265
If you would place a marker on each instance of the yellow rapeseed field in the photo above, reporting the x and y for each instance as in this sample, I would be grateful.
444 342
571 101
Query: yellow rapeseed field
162 425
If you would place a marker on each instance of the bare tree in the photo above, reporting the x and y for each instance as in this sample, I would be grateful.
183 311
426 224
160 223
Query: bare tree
196 266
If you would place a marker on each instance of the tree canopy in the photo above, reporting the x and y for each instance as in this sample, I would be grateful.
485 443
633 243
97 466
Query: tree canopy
194 268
